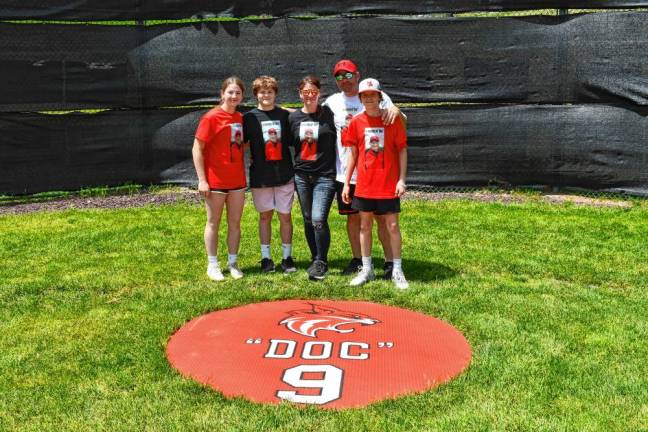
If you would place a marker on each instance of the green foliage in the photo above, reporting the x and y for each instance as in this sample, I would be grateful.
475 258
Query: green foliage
552 299
103 191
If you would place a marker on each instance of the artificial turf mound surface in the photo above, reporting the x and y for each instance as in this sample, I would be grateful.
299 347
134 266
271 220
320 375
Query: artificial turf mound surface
551 297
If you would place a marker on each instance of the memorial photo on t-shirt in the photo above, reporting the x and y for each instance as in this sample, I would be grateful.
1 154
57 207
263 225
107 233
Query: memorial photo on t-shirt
272 138
374 148
236 142
308 134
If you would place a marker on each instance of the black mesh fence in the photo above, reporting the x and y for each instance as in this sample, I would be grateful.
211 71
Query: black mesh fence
582 146
541 101
592 58
178 9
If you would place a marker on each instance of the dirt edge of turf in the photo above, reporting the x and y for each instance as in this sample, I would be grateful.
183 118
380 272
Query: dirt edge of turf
187 195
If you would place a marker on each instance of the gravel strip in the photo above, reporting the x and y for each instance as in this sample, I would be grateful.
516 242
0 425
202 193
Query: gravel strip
190 196
107 202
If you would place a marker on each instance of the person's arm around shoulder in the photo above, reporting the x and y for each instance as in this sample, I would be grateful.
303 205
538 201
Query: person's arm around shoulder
293 122
391 112
290 110
247 119
197 153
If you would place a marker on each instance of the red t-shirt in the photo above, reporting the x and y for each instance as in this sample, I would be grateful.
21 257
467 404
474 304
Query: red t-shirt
273 151
308 150
378 148
222 134
374 160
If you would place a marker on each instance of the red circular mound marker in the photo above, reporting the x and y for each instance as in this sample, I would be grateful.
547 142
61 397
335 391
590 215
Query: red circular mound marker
335 354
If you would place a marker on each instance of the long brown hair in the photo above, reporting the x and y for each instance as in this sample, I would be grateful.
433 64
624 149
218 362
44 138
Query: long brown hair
232 80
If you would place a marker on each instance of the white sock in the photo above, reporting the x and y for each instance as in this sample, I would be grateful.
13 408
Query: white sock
265 251
398 264
287 250
366 263
231 259
212 260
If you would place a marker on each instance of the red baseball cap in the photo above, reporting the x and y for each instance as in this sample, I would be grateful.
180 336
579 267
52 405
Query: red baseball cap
345 65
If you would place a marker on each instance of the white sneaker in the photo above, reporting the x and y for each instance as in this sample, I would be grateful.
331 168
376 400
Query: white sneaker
399 279
363 277
235 271
214 273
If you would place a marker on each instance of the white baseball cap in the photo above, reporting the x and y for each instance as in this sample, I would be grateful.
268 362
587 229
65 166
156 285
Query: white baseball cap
369 84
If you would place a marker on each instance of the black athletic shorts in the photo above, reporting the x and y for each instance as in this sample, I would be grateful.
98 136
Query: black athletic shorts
226 191
344 208
378 207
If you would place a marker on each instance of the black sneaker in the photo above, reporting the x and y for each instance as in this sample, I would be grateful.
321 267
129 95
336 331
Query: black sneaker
355 265
267 265
310 267
288 265
318 270
388 268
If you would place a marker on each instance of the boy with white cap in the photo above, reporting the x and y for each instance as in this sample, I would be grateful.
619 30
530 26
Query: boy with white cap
345 104
379 186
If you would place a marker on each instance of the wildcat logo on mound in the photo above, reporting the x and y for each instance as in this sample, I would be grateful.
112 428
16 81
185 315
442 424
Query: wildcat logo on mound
333 354
308 322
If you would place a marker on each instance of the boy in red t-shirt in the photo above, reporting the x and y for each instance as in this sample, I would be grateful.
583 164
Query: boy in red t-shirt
379 152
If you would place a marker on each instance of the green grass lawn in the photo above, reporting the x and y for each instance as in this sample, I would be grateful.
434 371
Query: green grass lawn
552 298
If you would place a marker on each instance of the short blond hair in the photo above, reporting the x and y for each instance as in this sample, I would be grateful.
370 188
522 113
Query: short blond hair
264 81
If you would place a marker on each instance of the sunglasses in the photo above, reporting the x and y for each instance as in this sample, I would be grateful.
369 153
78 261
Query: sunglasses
346 75
310 92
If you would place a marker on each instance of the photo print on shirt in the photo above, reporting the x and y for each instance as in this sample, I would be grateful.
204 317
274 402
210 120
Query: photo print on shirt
236 142
308 135
272 137
374 139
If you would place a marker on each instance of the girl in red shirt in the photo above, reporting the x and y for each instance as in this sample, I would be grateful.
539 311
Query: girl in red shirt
218 159
379 151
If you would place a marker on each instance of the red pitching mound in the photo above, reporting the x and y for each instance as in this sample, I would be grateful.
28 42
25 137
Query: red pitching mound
335 354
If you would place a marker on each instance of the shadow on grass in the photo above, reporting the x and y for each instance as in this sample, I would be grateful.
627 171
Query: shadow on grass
426 271
415 270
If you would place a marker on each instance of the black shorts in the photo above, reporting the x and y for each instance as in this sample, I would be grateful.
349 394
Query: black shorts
378 207
226 191
344 208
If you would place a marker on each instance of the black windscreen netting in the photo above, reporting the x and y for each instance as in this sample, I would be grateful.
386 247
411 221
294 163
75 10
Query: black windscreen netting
71 9
172 9
595 57
57 67
589 146
579 59
63 152
523 69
